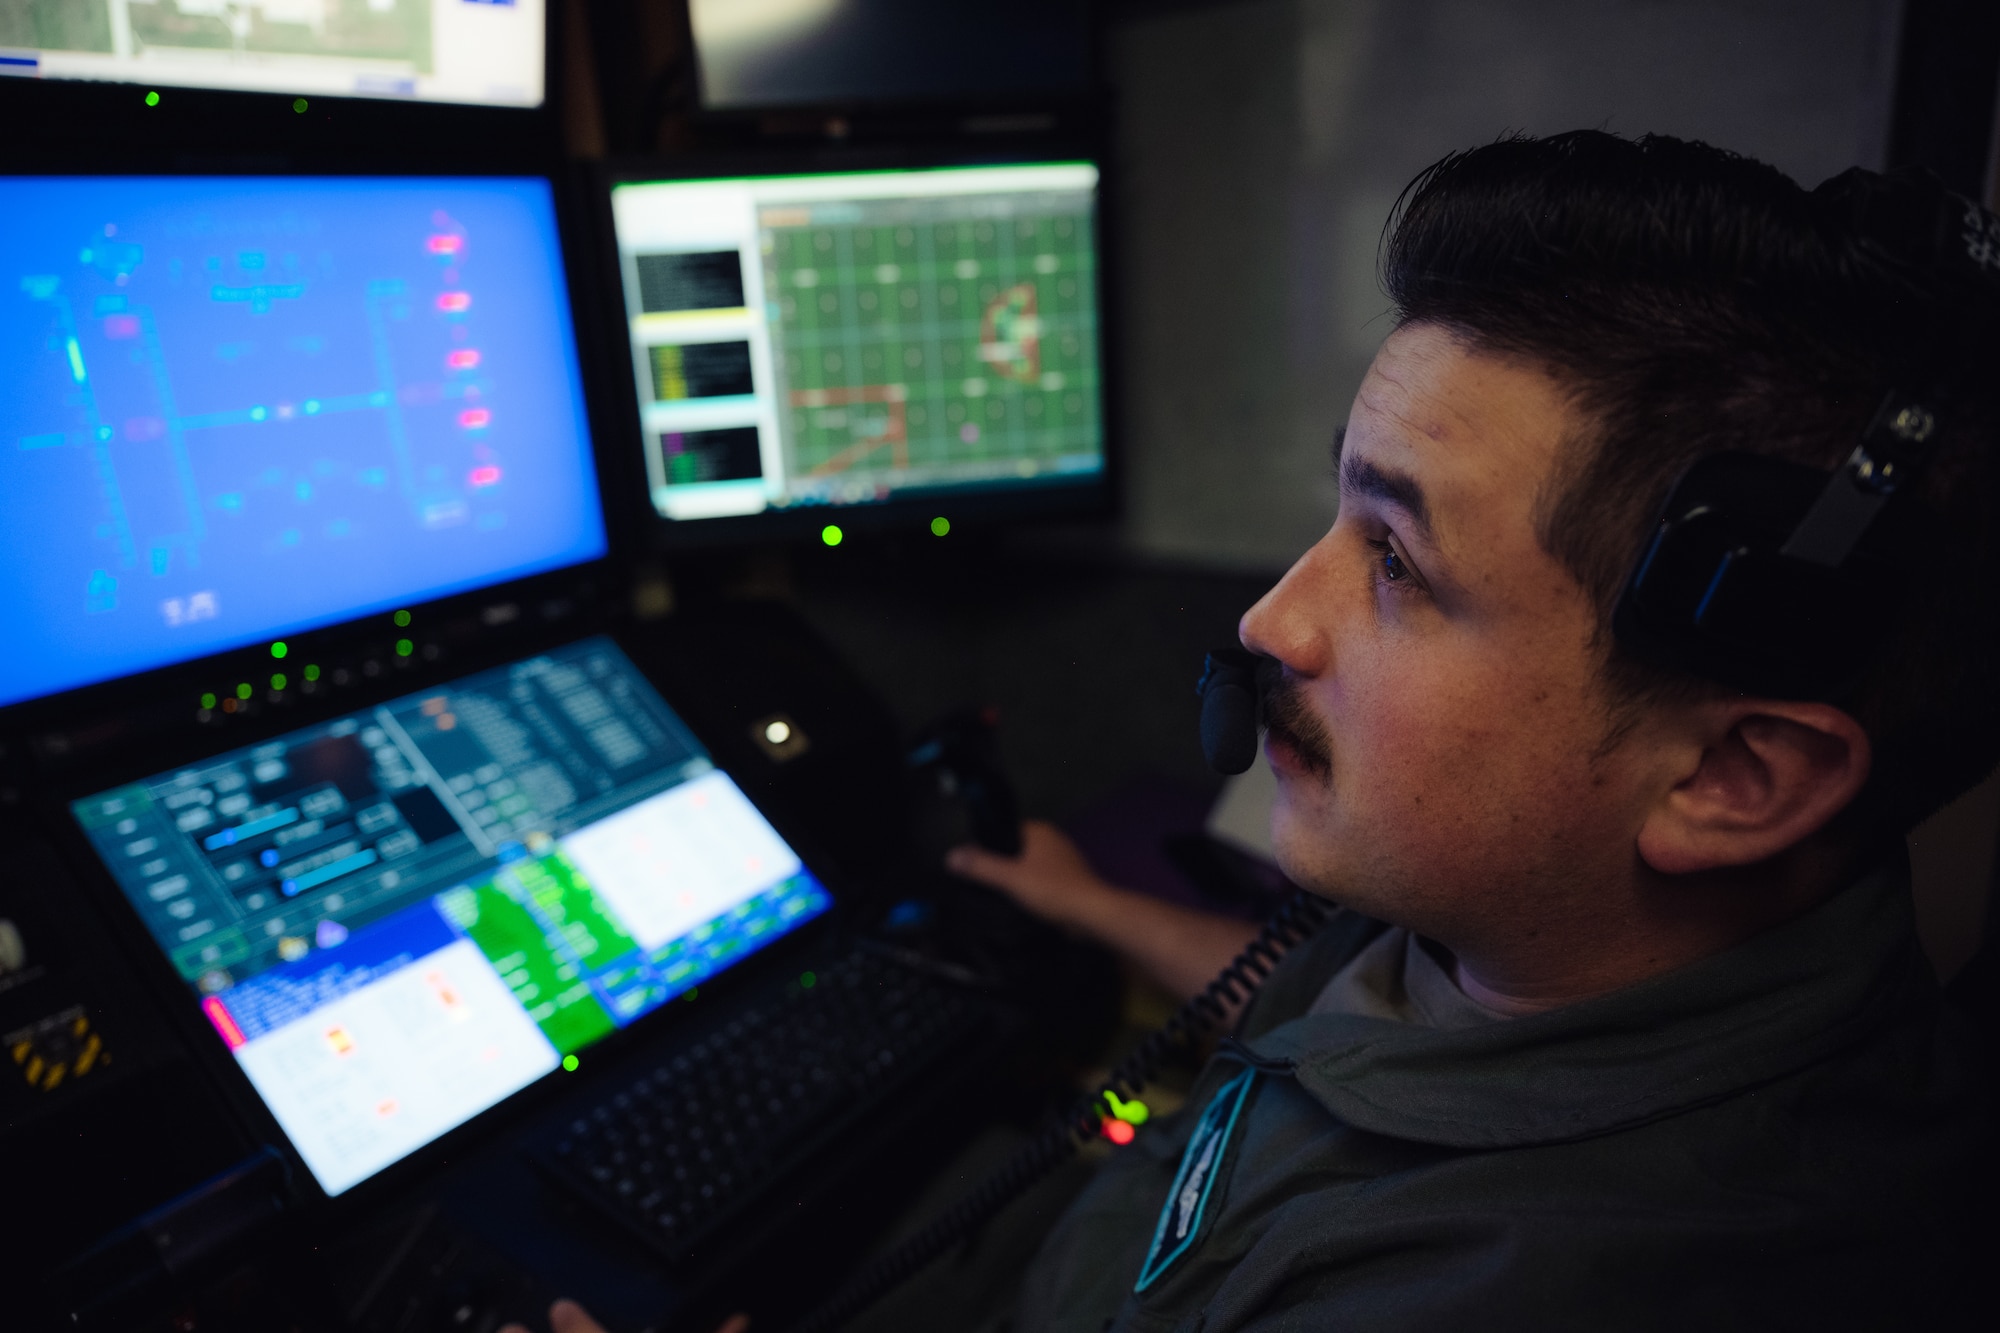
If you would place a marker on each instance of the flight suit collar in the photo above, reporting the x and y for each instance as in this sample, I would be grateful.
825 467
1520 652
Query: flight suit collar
1780 1001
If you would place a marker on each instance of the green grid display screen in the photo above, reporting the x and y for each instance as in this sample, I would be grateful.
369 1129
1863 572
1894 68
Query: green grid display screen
858 338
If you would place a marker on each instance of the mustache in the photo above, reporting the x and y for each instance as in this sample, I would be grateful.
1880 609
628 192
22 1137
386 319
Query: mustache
1282 709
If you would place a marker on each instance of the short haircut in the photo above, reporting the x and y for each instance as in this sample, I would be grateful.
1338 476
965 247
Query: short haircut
1693 301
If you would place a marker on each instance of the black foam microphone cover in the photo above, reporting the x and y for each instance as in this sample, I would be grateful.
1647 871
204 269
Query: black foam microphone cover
1228 692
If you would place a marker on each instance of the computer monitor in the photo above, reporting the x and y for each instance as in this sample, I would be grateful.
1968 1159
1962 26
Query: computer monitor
237 408
399 917
873 52
484 52
882 340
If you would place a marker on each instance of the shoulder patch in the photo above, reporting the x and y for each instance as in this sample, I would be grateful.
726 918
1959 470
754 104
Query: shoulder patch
1187 1203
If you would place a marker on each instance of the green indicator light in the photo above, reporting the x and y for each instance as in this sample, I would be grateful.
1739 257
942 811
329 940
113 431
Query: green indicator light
692 992
278 681
402 619
312 673
299 105
831 534
1134 1112
808 980
208 701
569 1063
243 690
404 647
940 526
152 99
279 649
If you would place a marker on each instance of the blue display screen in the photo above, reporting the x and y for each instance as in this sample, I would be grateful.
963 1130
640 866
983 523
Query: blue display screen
235 408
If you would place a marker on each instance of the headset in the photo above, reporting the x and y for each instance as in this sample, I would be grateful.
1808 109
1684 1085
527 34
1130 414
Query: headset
1762 574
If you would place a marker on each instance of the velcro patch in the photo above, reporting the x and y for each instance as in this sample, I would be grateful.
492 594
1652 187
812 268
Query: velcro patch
1187 1203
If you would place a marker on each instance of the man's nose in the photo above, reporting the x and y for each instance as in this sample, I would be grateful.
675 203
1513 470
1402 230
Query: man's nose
1290 622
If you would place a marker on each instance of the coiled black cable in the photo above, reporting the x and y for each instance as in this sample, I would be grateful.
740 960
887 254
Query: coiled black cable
1290 925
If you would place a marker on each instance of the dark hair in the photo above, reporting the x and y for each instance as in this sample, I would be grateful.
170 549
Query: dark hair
1695 301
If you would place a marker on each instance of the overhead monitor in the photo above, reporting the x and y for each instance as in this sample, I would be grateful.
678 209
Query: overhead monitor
236 408
863 338
485 52
397 918
771 53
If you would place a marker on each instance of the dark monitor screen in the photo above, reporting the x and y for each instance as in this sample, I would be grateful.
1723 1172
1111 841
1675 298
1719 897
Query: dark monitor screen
235 408
768 53
484 52
859 338
396 919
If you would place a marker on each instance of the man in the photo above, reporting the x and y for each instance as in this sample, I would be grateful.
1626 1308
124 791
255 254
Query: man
1625 1025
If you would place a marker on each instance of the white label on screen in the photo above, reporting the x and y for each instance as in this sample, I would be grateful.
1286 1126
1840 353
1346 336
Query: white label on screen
679 859
365 1080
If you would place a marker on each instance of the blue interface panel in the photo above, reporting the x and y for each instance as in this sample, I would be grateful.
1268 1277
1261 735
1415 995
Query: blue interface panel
236 408
398 918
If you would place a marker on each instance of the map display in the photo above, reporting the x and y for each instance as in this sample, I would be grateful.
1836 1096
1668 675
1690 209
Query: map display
918 346
231 409
851 339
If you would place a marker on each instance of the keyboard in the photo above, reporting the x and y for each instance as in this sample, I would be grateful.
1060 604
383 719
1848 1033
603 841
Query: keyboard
675 1151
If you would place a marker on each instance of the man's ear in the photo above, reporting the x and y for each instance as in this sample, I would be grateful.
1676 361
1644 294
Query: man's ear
1761 776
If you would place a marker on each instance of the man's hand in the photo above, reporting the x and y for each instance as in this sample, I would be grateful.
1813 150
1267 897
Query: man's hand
569 1317
1049 878
1181 947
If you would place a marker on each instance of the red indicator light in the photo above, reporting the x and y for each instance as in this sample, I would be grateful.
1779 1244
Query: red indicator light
473 418
454 302
465 358
1118 1131
445 245
483 476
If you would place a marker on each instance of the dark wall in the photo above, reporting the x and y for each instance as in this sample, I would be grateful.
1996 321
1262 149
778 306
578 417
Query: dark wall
1091 662
1260 145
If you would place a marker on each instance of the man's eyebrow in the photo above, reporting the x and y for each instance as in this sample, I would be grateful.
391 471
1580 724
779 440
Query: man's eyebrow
1358 476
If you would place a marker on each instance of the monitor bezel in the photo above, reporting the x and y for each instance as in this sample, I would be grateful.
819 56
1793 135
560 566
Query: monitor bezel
172 688
969 507
254 1119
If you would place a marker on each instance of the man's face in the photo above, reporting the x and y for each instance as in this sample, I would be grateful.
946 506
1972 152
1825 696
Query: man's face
1438 732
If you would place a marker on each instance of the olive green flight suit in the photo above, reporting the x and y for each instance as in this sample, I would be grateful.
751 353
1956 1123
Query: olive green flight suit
1790 1134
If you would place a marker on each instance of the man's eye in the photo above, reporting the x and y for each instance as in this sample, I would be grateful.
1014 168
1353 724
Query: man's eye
1389 564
